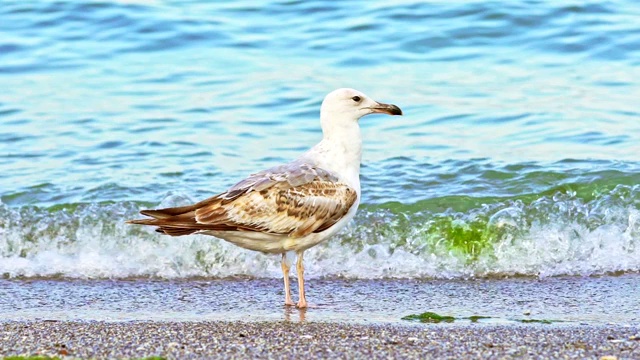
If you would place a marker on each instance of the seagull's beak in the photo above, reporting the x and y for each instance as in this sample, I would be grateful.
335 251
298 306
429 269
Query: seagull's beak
386 109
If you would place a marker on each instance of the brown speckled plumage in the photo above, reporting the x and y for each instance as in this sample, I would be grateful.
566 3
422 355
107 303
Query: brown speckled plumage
293 199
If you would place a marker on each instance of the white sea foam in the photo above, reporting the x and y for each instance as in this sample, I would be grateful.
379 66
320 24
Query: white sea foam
550 237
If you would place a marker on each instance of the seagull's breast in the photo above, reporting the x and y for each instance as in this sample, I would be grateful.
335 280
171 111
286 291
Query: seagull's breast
342 161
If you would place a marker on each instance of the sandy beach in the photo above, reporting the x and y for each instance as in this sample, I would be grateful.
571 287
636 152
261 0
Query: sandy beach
569 317
505 199
291 340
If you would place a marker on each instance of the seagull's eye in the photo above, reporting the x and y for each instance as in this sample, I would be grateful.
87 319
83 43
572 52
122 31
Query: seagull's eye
356 98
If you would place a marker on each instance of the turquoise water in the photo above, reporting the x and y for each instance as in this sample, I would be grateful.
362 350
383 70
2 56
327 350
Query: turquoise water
517 154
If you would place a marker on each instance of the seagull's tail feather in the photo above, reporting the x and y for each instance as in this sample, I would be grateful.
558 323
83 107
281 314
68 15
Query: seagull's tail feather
175 221
175 231
179 221
180 225
141 221
181 210
168 212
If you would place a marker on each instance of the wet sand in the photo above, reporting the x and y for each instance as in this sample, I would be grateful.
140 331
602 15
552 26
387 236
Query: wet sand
290 340
570 317
574 300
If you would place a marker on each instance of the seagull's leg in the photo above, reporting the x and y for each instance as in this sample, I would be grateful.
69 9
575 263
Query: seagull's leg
287 288
302 303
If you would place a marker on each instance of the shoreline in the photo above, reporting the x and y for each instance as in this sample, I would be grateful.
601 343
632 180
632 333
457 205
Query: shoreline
550 318
282 339
571 300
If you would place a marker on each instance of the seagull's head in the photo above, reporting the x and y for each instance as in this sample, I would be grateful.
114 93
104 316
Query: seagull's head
349 104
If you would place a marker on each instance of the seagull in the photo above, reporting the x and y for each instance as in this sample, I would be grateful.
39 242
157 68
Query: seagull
290 207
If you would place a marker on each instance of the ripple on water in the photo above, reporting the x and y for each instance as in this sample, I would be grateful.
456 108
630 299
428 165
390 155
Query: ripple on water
506 105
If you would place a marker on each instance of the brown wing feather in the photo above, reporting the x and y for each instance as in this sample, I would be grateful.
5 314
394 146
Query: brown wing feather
296 211
295 199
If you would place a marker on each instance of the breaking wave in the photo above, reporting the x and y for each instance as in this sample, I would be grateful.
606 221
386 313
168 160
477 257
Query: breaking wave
533 235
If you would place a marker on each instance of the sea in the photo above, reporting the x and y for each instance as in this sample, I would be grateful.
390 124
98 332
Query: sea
517 155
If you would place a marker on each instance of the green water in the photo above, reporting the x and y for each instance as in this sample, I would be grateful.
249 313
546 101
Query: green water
517 153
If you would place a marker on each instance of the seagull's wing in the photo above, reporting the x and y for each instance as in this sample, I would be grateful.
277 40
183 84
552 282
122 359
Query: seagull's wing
295 199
